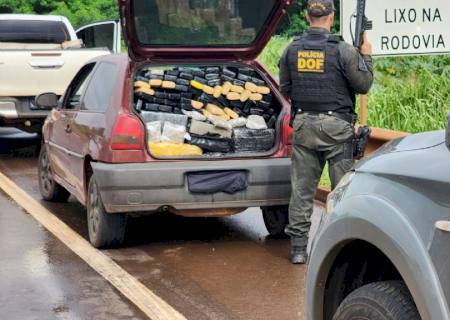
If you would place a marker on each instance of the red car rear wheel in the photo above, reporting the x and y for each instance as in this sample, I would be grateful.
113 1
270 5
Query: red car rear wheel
49 188
105 229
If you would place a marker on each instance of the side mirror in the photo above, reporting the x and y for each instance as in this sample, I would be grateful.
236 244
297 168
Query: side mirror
447 132
46 101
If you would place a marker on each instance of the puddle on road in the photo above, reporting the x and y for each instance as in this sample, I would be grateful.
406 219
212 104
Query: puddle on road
42 279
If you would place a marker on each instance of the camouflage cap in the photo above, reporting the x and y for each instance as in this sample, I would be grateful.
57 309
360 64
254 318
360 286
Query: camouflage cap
320 8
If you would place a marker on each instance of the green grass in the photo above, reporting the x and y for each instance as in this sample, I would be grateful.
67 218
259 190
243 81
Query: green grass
410 94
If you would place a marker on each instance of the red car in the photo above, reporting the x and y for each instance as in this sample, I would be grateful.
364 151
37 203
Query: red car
98 140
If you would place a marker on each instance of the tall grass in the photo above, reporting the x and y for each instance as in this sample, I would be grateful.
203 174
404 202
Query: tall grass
409 94
272 53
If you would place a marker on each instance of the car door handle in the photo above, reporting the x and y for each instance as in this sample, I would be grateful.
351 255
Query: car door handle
47 64
68 129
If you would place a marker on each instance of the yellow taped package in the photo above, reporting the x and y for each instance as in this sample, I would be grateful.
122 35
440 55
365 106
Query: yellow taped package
207 89
215 110
256 97
156 83
226 88
224 117
263 90
245 95
205 112
141 84
233 96
237 89
217 91
197 85
148 91
196 104
163 149
251 87
169 85
231 113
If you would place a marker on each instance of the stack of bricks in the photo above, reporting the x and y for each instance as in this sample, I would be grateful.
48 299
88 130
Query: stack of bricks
199 14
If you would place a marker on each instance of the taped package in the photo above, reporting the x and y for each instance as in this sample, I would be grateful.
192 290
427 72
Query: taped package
212 144
202 128
256 123
167 149
154 131
249 140
173 133
179 119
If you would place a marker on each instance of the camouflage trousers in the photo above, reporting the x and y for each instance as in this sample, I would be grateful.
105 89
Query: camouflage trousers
317 139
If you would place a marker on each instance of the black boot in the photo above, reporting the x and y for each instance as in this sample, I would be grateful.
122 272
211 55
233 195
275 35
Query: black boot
298 255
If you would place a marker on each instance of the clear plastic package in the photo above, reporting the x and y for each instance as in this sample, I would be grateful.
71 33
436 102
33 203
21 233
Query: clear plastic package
173 133
154 131
256 123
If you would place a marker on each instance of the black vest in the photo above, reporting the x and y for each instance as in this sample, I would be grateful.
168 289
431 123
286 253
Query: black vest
318 80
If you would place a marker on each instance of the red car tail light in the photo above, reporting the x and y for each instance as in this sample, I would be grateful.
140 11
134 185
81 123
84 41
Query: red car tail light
287 130
128 134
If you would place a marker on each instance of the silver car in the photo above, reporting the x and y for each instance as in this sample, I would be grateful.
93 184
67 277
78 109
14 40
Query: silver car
383 247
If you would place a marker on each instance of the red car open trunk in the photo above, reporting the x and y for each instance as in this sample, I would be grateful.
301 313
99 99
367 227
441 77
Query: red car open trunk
189 51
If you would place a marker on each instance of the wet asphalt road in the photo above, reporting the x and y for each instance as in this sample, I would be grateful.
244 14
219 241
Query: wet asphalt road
205 268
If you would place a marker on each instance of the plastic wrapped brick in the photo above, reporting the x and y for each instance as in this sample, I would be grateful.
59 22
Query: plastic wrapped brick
256 123
212 144
154 131
238 123
248 140
166 149
194 115
222 133
173 133
200 128
159 116
219 123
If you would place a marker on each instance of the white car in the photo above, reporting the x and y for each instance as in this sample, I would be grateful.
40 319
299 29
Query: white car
42 53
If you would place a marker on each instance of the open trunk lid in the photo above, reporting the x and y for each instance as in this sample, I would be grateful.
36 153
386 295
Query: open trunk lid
200 29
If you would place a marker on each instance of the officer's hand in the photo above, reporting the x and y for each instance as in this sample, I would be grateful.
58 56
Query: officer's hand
366 47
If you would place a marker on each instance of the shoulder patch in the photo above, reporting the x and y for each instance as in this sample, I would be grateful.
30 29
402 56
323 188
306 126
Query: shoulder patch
311 61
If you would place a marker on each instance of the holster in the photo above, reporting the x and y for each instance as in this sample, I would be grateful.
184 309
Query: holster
293 115
361 142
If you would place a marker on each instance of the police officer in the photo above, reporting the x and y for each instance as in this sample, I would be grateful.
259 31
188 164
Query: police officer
321 74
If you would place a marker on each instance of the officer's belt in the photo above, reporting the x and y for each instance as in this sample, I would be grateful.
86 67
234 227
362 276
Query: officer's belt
350 118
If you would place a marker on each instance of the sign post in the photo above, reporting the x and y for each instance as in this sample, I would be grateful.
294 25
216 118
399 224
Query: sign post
403 27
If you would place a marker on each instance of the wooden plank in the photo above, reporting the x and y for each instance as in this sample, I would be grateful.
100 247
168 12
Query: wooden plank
363 109
148 302
386 135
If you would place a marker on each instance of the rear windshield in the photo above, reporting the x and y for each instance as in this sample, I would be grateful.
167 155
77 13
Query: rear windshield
33 31
189 23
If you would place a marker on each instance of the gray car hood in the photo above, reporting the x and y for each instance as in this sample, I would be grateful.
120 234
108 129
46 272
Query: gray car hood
422 155
414 142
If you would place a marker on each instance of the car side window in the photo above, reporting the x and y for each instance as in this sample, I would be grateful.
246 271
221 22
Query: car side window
100 89
77 87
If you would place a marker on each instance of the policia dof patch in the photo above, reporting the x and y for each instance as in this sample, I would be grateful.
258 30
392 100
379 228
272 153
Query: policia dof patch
311 61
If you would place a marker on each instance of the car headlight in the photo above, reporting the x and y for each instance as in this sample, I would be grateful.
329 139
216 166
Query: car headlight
336 196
